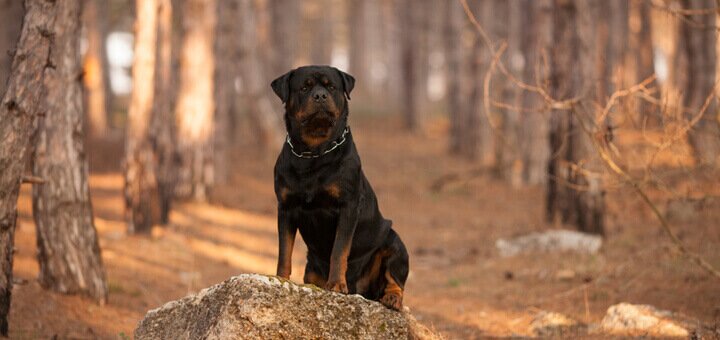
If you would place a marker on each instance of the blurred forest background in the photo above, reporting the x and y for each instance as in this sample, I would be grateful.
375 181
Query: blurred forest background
476 121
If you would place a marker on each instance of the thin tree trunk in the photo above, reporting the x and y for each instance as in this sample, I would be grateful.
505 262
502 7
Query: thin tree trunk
322 25
700 41
196 103
265 121
285 21
454 18
507 158
409 40
536 44
226 41
162 123
11 14
358 52
94 68
21 103
68 250
575 191
140 181
641 61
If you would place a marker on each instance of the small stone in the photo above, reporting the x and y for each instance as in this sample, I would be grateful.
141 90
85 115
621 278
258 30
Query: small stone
550 241
550 324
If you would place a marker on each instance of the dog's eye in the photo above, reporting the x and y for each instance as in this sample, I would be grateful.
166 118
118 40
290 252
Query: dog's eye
331 88
304 89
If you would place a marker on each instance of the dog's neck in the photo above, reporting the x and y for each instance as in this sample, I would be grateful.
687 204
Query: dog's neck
301 150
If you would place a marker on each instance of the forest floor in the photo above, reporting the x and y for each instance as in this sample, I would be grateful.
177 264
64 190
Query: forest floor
458 283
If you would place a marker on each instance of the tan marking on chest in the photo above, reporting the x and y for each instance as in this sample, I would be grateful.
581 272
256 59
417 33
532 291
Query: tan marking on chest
333 190
284 192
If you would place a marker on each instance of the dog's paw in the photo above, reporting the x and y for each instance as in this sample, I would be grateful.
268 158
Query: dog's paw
392 301
337 286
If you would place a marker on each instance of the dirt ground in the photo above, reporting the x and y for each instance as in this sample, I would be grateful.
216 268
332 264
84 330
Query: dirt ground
458 284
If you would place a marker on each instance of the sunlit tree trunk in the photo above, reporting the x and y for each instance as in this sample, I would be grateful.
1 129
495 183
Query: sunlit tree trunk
95 66
162 123
196 103
642 65
11 14
140 180
68 250
21 103
575 189
701 55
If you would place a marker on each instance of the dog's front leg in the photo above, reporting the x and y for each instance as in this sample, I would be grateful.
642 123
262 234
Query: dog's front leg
341 248
286 238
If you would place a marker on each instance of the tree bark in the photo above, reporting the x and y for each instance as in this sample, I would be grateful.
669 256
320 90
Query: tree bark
226 45
21 103
196 103
285 21
141 205
265 121
95 65
358 52
454 19
162 123
700 41
68 249
536 43
11 14
409 18
322 24
642 65
575 190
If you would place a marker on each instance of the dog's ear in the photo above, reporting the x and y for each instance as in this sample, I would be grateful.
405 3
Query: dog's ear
348 82
281 86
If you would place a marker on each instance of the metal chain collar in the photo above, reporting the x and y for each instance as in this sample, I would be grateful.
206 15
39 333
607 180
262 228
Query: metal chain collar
309 154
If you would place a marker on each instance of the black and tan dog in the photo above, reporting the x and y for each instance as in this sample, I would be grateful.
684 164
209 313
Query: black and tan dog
322 191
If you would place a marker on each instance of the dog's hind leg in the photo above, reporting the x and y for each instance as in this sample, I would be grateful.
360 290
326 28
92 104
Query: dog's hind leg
396 273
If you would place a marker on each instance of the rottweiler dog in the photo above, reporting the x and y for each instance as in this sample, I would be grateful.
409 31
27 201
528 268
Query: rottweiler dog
322 191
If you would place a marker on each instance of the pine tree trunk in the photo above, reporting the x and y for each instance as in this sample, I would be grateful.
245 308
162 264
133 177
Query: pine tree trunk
94 68
536 43
409 17
68 250
574 192
162 123
141 206
285 21
196 103
226 41
322 24
21 103
454 18
358 52
11 14
641 61
701 54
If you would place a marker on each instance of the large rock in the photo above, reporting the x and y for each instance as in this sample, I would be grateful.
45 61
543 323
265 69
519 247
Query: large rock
252 306
632 320
549 241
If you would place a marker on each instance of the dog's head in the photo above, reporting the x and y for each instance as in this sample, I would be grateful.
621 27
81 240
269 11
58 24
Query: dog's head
315 100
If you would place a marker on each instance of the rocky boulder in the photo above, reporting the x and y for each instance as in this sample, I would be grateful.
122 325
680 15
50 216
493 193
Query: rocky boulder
252 306
634 320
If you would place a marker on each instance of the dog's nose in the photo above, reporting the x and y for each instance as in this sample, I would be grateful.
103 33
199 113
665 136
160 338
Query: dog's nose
320 96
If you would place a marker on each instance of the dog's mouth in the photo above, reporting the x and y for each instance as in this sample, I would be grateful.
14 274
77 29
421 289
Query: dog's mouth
319 124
